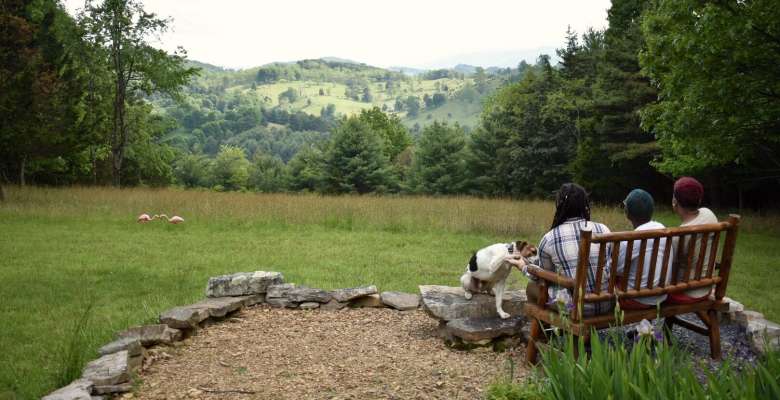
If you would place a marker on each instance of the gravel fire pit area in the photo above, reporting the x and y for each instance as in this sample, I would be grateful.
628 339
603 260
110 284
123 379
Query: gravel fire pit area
274 353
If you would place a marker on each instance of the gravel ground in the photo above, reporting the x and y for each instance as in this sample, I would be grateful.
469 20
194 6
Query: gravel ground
266 353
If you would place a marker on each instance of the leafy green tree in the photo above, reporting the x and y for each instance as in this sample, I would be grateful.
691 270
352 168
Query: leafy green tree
439 164
267 173
412 106
438 99
395 136
231 168
290 96
306 170
719 110
148 160
367 96
41 86
525 145
193 170
355 161
122 29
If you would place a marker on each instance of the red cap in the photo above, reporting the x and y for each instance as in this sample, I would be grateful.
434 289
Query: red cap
688 192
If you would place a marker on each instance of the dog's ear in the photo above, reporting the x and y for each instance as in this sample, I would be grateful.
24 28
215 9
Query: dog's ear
473 263
520 245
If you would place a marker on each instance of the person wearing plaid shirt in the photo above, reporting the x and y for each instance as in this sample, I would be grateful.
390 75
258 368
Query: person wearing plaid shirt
559 248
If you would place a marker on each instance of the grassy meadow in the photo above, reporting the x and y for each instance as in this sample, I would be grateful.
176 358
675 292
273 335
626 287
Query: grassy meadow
76 267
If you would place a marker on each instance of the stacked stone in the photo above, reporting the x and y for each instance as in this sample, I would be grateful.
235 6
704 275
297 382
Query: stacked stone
763 335
468 323
226 294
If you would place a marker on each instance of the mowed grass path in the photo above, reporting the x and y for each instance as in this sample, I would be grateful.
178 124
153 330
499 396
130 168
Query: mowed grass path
76 268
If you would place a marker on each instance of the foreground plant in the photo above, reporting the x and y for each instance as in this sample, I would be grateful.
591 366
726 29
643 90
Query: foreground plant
648 369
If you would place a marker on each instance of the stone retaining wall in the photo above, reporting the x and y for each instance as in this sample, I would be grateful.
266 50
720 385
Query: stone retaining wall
120 359
461 322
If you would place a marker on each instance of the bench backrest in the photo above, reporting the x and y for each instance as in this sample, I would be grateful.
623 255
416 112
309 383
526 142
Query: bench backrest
701 243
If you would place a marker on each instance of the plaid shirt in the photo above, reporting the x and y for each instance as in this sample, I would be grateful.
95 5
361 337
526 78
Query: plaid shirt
559 251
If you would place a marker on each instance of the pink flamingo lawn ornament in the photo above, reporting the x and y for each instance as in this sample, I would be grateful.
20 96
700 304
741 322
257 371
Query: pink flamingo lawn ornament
174 220
144 218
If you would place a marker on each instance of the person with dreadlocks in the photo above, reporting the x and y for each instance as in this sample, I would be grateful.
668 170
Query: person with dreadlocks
559 248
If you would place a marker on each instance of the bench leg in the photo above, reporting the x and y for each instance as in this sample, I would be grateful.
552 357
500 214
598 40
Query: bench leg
668 325
531 350
714 326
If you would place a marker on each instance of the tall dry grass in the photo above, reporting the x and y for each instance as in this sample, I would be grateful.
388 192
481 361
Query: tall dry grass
457 214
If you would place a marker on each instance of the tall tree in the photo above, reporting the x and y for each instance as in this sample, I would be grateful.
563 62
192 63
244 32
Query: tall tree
439 163
40 85
355 161
123 28
716 64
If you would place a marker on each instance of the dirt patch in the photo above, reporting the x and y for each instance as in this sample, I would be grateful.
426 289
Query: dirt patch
266 353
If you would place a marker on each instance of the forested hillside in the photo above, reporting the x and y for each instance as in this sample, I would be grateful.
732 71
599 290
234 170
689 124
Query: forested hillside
669 88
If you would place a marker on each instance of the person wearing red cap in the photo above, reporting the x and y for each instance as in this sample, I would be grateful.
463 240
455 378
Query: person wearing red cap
686 203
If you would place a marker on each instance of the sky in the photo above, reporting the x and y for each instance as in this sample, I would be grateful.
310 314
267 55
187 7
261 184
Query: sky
411 33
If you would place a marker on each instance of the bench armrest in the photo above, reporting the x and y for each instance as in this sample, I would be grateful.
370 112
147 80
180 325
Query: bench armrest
551 277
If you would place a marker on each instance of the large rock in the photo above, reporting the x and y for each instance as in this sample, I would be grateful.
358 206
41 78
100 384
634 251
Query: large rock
346 295
334 305
309 306
150 335
372 300
79 389
401 301
305 295
449 303
130 344
480 329
242 283
111 369
219 307
281 302
184 317
280 290
763 333
110 389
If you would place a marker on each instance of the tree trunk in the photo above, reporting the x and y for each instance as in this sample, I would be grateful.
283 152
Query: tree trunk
119 130
93 157
22 166
2 192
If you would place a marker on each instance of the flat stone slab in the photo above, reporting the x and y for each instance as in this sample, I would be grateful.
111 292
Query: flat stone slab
480 329
309 306
184 317
305 295
280 290
334 305
372 300
348 294
150 335
242 283
448 303
111 369
281 302
79 389
109 389
219 307
401 301
130 344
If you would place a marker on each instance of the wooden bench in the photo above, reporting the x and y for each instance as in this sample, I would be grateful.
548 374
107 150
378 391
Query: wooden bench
697 277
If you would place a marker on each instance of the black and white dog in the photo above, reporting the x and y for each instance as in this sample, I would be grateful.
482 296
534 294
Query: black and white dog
489 267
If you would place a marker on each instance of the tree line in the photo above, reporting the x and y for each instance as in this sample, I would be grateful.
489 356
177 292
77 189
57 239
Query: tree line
669 88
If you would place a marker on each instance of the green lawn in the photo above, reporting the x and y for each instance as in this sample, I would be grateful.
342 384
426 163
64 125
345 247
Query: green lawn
77 254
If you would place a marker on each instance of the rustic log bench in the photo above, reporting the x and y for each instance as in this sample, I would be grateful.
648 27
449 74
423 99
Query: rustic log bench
695 276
